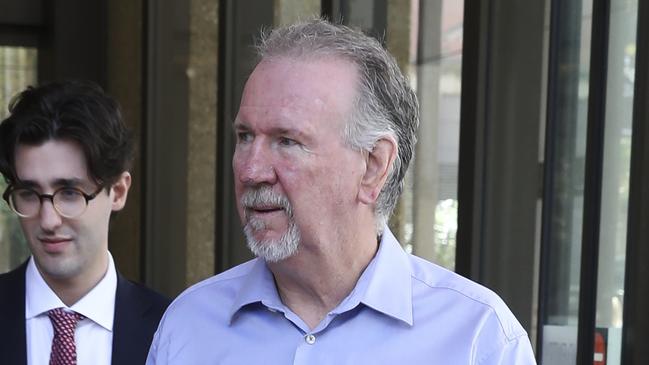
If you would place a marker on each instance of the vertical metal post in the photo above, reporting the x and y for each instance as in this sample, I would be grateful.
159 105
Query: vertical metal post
593 181
635 330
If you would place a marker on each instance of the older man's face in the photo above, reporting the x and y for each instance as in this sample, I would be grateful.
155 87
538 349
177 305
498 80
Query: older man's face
295 179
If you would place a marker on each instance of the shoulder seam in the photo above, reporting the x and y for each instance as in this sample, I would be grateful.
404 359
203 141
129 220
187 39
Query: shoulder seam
211 281
509 336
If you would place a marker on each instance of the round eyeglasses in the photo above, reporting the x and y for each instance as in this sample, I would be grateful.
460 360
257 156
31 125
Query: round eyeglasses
68 202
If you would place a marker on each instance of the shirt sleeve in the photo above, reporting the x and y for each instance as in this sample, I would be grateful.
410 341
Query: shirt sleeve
152 358
516 352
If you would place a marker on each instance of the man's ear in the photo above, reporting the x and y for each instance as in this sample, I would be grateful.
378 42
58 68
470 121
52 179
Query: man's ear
120 191
378 164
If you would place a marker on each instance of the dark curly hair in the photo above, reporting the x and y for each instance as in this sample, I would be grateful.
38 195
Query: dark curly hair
79 111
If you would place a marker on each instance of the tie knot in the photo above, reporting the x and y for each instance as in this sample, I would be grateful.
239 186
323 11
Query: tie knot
64 322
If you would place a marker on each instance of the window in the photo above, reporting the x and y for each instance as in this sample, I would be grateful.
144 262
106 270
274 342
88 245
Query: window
587 205
426 39
17 71
433 175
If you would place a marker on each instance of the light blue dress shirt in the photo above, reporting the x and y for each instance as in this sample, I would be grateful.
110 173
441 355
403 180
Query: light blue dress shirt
403 310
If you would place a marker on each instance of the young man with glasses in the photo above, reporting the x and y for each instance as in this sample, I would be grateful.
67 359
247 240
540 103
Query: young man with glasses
65 154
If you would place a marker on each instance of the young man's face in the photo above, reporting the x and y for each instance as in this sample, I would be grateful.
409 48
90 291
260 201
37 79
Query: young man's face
66 248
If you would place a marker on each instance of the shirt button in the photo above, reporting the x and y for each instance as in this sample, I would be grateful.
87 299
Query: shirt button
310 339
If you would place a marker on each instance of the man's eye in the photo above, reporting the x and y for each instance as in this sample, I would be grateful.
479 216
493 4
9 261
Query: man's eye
244 136
25 195
69 194
287 141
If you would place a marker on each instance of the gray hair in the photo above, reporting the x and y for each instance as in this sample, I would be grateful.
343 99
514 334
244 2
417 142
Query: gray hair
385 106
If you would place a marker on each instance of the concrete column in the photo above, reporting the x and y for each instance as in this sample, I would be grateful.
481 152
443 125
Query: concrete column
201 134
180 138
124 83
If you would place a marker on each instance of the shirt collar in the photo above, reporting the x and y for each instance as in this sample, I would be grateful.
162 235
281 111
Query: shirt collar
384 286
258 286
387 281
97 305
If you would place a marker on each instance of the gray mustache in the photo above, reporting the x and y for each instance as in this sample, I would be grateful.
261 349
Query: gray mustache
265 196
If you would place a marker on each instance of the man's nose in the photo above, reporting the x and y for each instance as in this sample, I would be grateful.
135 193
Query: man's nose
255 165
50 219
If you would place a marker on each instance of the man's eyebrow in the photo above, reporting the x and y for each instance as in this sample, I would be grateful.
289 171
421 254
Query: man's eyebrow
289 131
61 182
72 182
26 184
239 125
279 130
305 135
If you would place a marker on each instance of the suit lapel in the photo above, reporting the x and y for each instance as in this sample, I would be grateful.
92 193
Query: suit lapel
137 312
13 339
132 330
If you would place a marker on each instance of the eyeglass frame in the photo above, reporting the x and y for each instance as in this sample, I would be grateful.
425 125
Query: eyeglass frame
87 197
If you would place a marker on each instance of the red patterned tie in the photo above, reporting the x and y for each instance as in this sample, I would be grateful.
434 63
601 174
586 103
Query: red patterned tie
64 351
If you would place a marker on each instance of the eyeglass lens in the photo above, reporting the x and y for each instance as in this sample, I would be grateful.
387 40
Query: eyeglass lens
68 202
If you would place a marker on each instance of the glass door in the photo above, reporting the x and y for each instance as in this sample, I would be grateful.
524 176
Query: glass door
615 181
571 24
587 169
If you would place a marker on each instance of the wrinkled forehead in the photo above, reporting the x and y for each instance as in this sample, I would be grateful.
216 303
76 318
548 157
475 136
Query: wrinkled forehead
324 81
287 88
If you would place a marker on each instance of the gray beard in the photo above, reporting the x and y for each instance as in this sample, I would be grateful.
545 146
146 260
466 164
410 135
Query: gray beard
270 250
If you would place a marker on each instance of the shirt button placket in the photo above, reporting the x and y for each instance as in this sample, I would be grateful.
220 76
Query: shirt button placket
306 353
310 339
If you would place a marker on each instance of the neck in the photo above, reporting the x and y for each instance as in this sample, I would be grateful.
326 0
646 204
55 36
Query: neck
71 289
322 274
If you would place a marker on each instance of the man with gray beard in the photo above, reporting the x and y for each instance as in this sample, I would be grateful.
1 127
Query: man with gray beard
325 132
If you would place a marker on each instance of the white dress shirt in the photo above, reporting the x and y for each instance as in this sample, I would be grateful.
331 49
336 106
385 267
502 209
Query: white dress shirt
94 334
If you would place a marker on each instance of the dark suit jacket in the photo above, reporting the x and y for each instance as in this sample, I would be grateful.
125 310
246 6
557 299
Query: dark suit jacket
137 313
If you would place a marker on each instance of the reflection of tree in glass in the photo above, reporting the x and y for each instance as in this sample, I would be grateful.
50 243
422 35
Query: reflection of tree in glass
446 232
13 249
17 71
